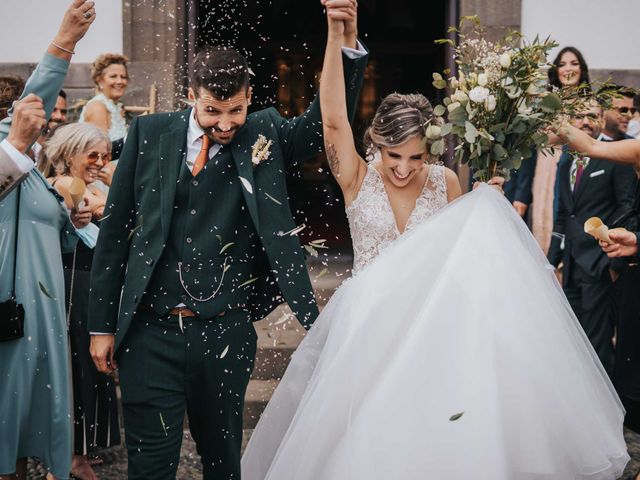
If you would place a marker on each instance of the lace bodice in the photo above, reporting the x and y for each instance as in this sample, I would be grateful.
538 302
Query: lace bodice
118 127
371 220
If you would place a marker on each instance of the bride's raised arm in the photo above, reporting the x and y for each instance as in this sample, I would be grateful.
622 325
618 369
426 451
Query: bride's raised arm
624 151
347 166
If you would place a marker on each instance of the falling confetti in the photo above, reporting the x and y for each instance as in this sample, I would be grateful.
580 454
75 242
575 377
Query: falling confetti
136 228
456 417
246 184
248 282
164 427
226 247
322 273
44 290
273 199
312 251
224 352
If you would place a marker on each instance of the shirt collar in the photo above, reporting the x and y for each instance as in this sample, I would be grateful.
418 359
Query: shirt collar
604 137
195 131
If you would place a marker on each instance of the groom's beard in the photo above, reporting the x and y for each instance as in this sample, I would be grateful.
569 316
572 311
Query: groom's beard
222 137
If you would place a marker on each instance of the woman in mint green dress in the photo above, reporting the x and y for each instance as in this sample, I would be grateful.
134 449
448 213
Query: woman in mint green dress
35 388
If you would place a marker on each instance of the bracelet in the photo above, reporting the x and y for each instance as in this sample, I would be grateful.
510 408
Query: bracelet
71 52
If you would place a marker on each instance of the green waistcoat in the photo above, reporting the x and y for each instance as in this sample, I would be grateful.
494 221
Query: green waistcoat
210 252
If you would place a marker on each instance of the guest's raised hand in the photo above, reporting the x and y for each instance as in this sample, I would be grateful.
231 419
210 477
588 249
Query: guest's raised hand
81 216
29 118
624 244
75 23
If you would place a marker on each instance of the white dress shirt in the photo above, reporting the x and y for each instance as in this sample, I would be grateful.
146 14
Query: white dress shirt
21 161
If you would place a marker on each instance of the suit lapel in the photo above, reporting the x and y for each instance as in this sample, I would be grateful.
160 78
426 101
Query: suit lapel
173 146
241 152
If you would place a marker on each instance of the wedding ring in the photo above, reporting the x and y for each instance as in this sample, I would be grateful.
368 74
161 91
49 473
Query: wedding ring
87 15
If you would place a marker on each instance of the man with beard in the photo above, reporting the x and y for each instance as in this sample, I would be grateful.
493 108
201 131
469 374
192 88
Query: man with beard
58 117
616 119
197 241
589 187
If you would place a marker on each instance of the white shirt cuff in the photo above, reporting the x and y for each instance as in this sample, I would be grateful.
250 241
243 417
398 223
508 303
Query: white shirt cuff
23 162
100 333
354 53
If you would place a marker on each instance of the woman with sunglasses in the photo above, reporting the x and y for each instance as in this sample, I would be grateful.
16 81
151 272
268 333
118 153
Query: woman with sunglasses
82 151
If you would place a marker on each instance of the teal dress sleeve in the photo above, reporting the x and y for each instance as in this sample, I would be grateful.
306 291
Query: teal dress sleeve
46 82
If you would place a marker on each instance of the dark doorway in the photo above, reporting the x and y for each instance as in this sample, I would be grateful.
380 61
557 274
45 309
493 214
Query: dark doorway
283 41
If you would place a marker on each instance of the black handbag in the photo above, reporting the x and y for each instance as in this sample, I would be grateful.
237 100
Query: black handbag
11 312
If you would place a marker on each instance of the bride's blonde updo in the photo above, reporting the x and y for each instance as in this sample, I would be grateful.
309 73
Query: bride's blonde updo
398 118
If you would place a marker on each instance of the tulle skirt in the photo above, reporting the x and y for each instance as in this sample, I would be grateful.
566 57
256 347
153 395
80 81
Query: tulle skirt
453 355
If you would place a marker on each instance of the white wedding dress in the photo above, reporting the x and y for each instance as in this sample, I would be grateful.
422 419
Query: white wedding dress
462 314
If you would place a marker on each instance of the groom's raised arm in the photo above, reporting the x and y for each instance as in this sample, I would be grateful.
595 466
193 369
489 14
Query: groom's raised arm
301 137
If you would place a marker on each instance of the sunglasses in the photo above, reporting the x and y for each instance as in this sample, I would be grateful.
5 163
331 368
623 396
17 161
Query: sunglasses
102 156
627 110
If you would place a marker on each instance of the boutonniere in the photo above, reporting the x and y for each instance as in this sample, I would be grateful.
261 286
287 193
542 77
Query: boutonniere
260 150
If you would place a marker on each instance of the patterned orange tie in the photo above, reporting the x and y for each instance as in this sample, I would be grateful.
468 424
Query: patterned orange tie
202 157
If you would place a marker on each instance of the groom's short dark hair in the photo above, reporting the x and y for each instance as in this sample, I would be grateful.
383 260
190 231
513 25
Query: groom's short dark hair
221 71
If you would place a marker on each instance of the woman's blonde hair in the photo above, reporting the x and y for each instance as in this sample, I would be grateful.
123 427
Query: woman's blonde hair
104 61
398 118
67 141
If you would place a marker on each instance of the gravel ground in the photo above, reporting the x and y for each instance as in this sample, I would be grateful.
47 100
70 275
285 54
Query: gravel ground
115 465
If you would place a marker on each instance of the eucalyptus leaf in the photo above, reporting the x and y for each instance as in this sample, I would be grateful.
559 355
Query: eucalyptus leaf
446 129
440 84
499 151
551 102
437 148
458 116
439 110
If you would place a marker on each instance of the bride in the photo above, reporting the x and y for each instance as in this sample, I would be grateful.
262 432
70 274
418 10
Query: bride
452 352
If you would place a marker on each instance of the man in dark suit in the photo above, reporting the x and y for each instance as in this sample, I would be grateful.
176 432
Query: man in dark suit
197 241
518 189
589 187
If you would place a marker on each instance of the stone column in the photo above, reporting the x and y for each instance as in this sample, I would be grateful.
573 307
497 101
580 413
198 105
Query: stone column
155 40
498 16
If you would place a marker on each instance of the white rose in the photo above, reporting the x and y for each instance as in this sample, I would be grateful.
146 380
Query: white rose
483 80
524 109
513 92
534 89
453 105
433 132
479 94
505 60
490 103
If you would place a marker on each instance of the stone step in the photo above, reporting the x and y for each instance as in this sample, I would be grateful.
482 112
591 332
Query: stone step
259 393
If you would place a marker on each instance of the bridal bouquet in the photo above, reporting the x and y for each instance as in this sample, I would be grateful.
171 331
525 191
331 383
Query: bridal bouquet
500 102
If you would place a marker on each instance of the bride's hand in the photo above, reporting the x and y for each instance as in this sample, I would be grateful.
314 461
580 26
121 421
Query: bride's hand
341 16
495 182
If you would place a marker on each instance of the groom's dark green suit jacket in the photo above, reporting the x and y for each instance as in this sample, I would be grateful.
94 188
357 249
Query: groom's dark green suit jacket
141 202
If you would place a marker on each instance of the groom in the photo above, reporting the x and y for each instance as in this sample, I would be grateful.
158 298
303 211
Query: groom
195 245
